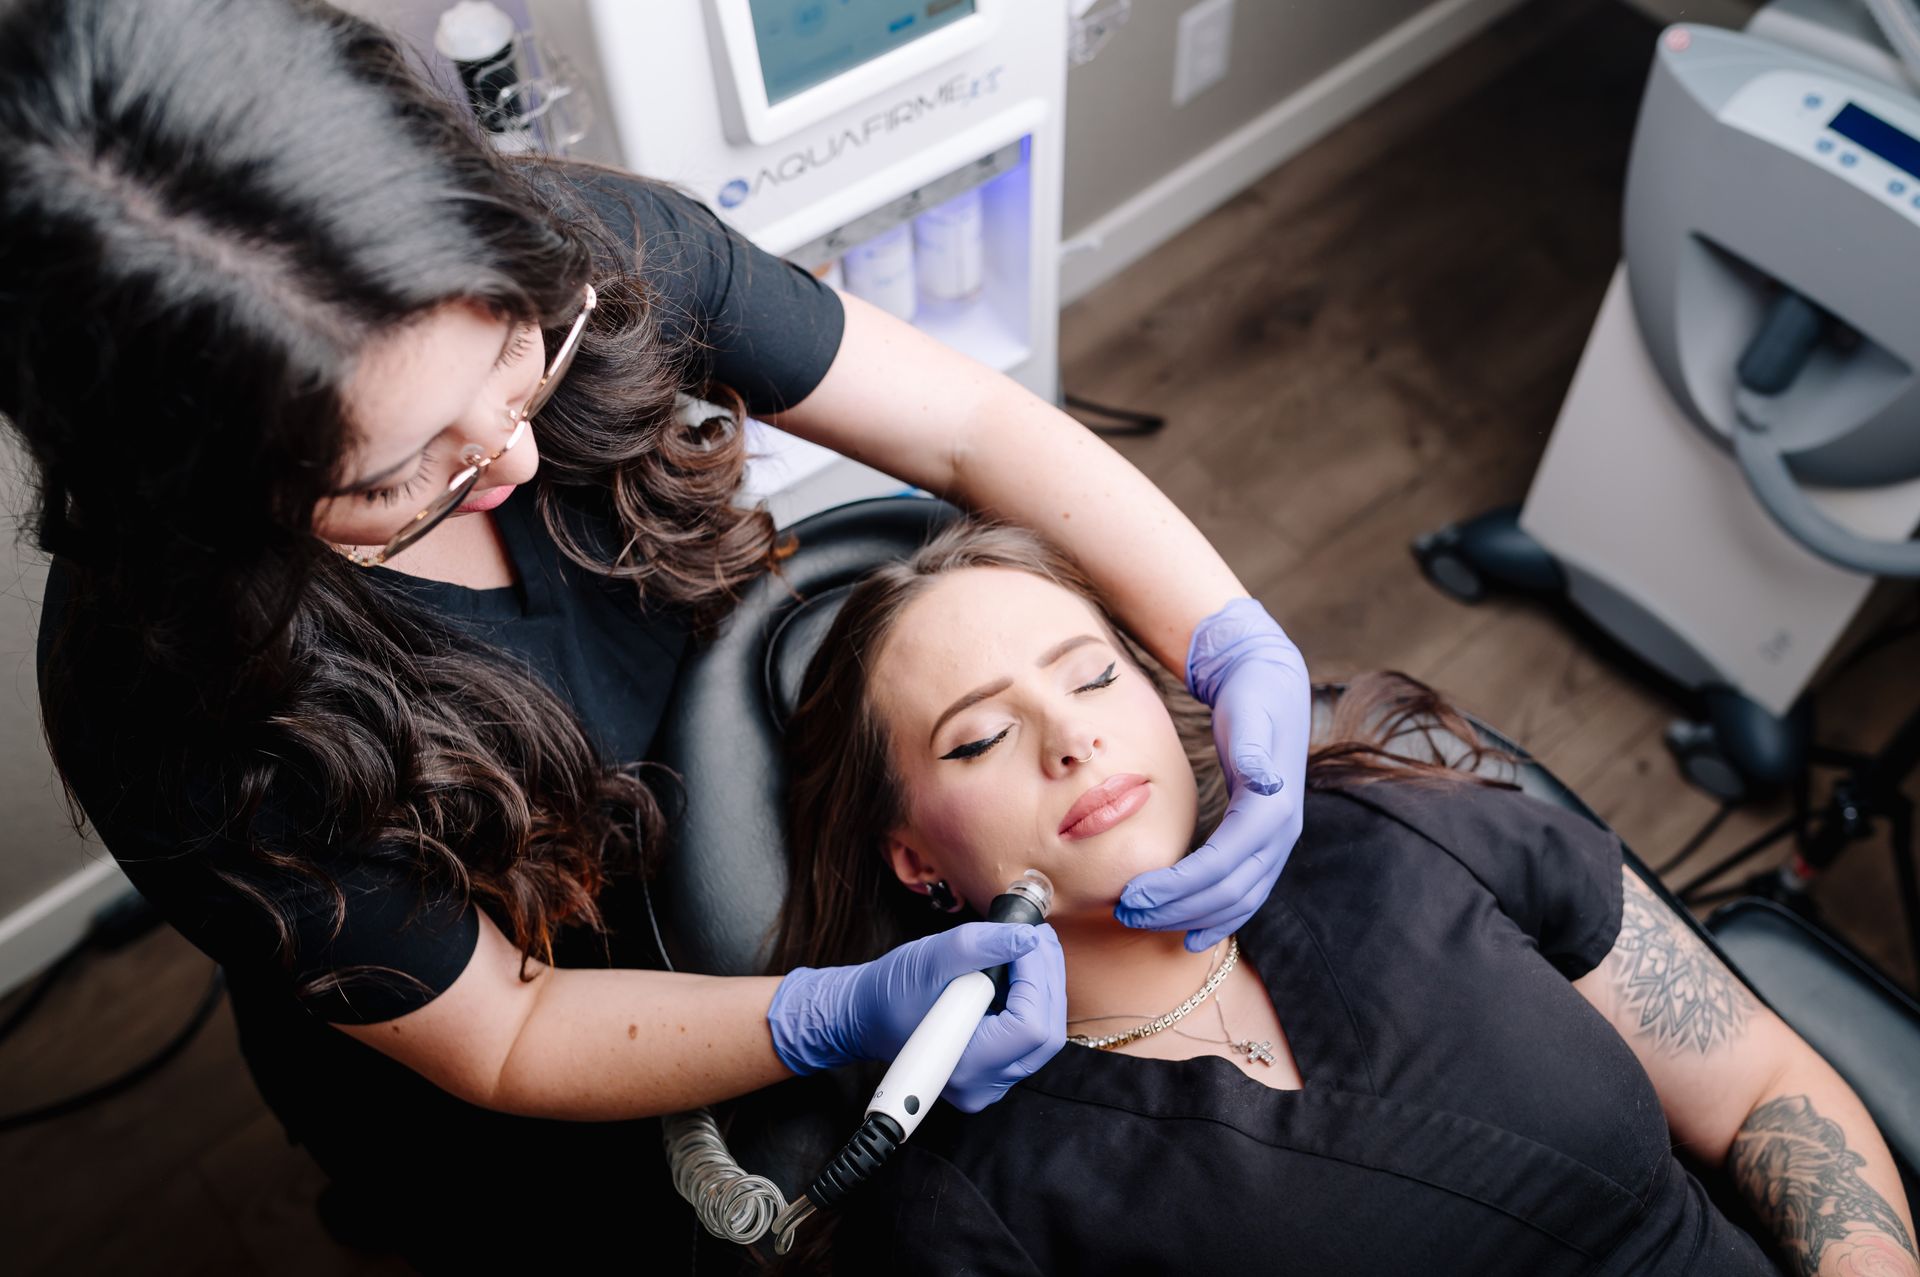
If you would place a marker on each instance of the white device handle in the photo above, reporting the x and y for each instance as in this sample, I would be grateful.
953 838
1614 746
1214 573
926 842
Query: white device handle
921 1070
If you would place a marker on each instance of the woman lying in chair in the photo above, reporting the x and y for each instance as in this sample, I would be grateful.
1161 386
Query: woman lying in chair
1461 1037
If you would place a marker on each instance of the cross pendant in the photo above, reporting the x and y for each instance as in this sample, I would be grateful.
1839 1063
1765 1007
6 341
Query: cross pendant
1257 1052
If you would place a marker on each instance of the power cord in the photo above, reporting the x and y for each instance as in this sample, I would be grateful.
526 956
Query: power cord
1130 422
1901 625
114 927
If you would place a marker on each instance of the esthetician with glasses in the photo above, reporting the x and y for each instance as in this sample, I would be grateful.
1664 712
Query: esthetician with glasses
379 532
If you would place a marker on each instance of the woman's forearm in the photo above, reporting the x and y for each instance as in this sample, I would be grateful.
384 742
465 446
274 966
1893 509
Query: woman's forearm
607 1045
1028 462
1810 1162
904 403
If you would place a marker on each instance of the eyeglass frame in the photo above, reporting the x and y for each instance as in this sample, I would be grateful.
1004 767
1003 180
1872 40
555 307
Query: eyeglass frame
474 458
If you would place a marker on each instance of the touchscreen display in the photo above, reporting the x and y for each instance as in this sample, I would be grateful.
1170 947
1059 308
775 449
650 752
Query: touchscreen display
807 42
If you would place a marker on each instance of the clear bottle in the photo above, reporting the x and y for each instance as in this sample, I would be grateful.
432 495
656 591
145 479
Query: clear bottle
881 271
950 249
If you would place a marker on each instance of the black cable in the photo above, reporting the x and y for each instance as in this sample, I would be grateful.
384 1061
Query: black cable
114 925
216 988
1694 843
1133 423
18 1016
1752 847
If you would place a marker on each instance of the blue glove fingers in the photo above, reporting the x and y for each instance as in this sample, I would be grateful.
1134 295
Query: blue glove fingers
1205 932
1253 747
1239 893
1157 889
1247 828
1201 941
971 946
1025 1035
1043 987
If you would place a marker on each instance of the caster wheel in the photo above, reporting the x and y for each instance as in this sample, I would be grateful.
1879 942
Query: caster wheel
1438 554
1696 748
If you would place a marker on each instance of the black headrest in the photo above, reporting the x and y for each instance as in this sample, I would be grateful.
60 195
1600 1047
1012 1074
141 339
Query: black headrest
720 888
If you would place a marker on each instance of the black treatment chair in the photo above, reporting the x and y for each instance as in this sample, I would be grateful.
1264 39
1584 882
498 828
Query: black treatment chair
717 897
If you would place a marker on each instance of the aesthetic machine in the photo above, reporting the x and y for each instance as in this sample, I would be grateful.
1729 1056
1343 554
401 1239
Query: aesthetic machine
1739 454
910 150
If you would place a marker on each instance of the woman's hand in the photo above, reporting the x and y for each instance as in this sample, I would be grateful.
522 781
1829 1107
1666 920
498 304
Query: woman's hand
1243 666
829 1016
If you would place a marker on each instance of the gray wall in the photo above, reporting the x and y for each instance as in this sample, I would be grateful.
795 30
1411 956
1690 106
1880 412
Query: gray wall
1122 133
37 846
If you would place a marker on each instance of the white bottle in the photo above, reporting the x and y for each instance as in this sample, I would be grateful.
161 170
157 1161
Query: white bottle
950 249
478 38
881 271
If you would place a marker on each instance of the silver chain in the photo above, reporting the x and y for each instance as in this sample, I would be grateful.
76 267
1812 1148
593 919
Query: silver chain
1171 1018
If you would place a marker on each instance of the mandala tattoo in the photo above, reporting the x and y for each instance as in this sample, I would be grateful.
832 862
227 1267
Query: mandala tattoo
1683 997
1794 1166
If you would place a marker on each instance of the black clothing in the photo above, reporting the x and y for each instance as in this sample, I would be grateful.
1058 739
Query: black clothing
1465 1110
766 328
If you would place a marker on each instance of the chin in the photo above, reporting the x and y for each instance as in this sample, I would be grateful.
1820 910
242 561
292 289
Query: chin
1092 878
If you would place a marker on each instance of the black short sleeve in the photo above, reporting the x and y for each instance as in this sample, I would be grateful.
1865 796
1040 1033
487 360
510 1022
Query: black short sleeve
769 329
1555 873
399 946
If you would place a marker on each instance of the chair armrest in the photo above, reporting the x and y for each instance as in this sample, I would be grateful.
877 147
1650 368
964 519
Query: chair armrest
1846 1009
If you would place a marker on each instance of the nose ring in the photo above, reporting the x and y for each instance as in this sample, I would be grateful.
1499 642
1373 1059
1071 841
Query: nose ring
1088 758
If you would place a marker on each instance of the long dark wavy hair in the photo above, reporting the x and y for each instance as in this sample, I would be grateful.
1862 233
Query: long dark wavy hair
843 903
208 209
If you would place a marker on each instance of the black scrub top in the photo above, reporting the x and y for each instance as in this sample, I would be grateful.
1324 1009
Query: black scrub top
1465 1110
760 325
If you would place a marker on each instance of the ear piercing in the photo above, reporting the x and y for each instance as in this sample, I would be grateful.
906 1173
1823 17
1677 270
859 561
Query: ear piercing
941 897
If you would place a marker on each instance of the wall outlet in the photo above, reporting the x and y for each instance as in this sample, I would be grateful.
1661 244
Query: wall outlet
1200 55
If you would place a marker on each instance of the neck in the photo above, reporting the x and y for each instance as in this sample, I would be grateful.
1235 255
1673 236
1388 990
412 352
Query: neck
1118 976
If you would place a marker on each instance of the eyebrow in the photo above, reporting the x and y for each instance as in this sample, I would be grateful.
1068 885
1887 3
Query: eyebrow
374 480
1000 685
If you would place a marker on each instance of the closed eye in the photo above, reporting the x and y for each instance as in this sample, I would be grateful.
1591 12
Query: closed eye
973 749
514 351
392 493
1105 680
976 748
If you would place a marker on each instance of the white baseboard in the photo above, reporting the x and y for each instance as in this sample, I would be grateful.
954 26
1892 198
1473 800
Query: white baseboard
36 933
1181 198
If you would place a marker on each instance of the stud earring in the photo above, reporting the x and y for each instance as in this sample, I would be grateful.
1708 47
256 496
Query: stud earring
940 896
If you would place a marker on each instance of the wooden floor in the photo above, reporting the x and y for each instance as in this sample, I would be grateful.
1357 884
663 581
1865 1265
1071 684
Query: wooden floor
1368 343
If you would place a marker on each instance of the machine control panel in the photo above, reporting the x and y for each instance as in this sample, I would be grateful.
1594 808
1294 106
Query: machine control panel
1862 138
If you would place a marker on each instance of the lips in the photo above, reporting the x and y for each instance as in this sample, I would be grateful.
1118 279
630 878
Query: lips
1105 805
484 501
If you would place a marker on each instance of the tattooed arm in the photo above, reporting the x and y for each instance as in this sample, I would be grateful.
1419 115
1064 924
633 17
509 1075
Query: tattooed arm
1742 1090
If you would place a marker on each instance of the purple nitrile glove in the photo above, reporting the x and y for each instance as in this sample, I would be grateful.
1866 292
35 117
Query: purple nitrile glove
823 1017
1242 665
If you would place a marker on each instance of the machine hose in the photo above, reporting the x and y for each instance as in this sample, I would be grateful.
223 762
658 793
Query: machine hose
730 1203
740 1207
1900 23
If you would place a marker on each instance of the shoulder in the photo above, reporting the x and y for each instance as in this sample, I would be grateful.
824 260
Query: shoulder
1552 871
664 225
1454 815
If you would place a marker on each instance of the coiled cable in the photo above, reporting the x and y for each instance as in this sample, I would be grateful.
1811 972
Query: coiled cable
730 1203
